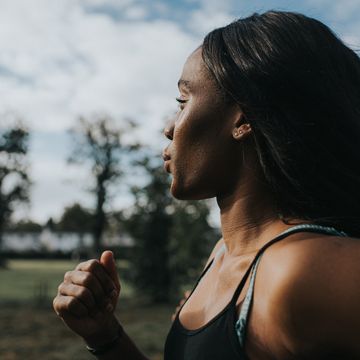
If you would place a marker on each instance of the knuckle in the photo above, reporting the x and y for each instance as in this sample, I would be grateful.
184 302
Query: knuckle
60 288
81 265
68 275
58 306
92 264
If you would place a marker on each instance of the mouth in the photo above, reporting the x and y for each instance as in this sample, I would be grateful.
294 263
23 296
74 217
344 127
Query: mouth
166 157
167 166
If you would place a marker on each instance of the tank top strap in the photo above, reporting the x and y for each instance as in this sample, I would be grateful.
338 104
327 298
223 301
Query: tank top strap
240 325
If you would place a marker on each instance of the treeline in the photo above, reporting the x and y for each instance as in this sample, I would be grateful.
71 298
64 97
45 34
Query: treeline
172 238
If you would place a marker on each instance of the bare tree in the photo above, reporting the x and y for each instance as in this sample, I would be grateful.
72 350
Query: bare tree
14 179
99 143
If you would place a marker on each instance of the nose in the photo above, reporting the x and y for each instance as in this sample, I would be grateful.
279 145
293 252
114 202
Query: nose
169 130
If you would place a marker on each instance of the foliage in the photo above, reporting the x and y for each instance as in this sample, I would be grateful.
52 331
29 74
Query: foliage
25 226
192 239
14 180
76 218
172 238
150 225
100 144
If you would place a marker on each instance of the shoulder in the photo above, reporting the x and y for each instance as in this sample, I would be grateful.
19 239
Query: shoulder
314 297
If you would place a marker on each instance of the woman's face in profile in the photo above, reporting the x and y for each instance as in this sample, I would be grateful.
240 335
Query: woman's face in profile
202 155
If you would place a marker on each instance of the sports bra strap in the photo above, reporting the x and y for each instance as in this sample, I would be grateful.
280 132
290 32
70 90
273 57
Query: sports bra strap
240 325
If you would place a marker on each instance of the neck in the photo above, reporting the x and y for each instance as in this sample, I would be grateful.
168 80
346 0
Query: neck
248 219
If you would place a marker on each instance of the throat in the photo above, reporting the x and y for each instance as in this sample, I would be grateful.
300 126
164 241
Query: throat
247 217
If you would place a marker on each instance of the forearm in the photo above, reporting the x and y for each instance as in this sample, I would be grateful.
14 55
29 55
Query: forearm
124 349
114 345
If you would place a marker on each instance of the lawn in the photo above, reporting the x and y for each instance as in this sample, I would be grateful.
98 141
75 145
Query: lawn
30 330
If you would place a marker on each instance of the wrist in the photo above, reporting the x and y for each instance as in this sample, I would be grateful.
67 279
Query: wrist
109 346
107 334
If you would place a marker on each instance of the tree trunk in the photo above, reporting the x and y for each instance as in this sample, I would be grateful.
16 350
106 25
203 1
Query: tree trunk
3 262
99 223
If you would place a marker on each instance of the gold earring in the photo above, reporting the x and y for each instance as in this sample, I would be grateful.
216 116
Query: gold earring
238 132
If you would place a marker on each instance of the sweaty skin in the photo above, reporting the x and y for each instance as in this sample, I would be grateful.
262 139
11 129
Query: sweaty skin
306 303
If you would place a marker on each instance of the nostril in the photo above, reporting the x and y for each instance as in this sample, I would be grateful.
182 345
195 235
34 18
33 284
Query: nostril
168 133
165 156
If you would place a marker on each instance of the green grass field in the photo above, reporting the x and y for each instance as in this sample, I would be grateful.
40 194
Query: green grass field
33 280
30 329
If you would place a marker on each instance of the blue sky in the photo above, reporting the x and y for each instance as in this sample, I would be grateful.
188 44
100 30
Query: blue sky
65 58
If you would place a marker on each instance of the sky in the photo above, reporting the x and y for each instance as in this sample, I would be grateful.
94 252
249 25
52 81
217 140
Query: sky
65 58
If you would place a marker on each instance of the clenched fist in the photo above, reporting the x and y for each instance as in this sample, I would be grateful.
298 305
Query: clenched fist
87 298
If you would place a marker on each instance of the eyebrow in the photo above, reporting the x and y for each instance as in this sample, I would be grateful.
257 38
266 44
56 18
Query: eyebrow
184 83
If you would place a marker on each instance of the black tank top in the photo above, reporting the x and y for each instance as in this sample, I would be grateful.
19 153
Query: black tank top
218 339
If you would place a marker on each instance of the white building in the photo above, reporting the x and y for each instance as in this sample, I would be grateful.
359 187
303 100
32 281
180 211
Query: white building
53 241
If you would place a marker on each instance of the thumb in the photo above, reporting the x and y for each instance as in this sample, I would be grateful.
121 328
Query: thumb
107 260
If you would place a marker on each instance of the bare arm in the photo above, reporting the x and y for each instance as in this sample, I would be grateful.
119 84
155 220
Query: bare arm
86 301
314 312
124 349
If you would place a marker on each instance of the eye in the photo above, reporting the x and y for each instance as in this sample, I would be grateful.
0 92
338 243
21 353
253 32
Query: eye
181 102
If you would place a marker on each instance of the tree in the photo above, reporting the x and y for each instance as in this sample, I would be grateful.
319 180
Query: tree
14 179
191 241
25 226
100 144
172 237
150 225
76 218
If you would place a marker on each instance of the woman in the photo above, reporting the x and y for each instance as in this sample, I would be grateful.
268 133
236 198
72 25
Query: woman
269 124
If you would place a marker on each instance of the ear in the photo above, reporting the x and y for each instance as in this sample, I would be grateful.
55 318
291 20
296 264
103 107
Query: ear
241 129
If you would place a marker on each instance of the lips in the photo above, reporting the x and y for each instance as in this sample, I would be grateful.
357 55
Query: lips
167 166
166 157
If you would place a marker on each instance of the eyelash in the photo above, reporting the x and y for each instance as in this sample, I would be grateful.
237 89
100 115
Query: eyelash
181 102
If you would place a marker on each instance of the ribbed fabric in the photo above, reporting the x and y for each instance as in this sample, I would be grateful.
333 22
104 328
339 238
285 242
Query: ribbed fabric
223 337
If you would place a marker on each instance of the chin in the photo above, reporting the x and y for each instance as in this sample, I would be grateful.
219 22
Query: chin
182 191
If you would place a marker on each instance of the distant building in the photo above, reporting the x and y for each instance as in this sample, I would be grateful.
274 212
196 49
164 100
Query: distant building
48 240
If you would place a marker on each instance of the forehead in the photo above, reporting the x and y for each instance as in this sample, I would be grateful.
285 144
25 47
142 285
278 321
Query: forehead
194 70
194 63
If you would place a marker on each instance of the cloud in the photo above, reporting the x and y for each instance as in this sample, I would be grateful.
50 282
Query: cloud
61 60
210 15
341 16
339 10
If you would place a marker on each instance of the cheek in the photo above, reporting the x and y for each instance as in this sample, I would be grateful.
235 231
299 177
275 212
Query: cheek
192 144
204 153
200 163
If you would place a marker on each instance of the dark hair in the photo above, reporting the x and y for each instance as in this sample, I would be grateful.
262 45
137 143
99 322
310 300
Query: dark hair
299 88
